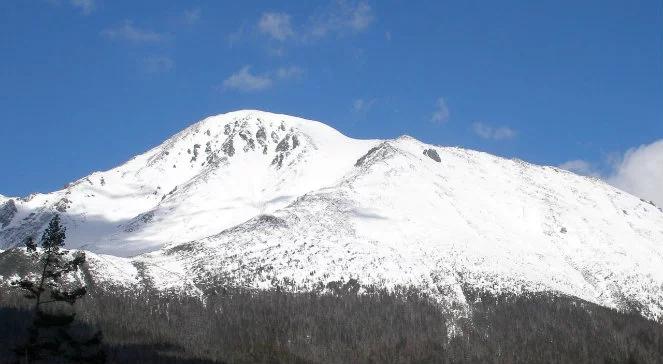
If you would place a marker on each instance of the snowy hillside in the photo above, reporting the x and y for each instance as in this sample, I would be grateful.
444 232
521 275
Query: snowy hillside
213 175
260 199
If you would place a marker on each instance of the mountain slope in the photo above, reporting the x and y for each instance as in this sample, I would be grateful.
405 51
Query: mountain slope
219 172
314 208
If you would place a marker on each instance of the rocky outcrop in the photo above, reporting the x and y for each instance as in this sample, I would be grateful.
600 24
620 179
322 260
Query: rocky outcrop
7 212
432 154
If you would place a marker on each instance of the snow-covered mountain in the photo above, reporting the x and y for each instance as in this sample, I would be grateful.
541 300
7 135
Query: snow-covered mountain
259 199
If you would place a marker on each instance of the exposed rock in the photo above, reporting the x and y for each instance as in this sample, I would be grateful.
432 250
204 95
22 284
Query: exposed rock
62 205
228 148
213 159
278 160
361 160
379 152
141 219
7 212
271 220
195 152
261 134
283 145
250 144
432 154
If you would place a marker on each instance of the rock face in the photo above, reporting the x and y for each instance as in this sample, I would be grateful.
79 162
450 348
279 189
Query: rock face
432 154
272 200
7 212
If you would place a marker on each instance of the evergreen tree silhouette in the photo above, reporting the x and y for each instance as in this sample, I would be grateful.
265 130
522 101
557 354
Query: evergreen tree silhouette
49 338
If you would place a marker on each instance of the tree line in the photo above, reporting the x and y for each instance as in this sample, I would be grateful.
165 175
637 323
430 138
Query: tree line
236 325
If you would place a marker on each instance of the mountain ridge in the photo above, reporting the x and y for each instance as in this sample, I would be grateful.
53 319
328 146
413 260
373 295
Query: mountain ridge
310 207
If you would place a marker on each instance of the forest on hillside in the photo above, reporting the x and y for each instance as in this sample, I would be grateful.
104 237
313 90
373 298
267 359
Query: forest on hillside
402 326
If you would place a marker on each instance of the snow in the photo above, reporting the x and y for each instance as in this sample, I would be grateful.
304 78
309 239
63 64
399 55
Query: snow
294 203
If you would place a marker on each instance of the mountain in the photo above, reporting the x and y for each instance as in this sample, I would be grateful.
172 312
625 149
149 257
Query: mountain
256 199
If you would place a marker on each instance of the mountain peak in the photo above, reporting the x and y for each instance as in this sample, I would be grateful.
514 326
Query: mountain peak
293 200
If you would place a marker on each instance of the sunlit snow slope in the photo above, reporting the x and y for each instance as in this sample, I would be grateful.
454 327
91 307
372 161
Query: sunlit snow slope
260 199
215 174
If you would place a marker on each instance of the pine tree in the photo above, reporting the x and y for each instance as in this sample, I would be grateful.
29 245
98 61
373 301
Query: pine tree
49 338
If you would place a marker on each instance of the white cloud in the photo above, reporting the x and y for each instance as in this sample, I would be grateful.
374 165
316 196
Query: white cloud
85 6
640 172
276 25
581 167
494 133
131 33
158 64
245 81
342 17
191 16
441 113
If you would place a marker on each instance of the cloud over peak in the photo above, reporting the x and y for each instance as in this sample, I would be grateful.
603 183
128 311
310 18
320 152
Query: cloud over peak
640 172
486 131
245 80
441 112
580 166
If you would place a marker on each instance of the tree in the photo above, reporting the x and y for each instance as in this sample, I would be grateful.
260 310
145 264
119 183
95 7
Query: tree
49 337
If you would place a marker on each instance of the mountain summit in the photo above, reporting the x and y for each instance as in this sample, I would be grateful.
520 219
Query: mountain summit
261 199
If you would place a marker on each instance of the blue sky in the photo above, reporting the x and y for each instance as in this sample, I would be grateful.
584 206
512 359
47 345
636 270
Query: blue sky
87 84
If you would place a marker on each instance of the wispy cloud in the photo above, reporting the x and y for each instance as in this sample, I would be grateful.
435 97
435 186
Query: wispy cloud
85 6
245 80
581 167
486 131
441 112
191 16
342 17
129 32
157 64
276 25
362 106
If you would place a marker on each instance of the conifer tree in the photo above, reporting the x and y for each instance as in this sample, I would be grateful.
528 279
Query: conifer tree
49 338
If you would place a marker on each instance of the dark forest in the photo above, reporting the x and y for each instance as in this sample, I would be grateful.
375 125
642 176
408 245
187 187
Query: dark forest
404 326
